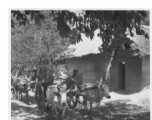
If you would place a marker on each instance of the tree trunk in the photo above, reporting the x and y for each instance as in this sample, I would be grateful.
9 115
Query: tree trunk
109 64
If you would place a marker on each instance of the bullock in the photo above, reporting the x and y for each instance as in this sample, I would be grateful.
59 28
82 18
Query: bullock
21 85
31 82
96 94
56 98
12 88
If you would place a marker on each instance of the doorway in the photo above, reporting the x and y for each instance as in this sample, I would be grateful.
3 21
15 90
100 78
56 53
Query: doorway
121 76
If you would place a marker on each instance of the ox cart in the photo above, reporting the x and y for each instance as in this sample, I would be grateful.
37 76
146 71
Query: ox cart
72 96
40 94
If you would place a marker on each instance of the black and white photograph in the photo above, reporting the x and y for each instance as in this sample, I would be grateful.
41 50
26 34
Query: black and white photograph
73 64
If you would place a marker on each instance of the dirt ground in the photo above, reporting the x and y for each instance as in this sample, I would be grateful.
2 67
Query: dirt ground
119 107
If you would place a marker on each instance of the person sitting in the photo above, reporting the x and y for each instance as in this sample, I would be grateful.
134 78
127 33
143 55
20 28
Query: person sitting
71 81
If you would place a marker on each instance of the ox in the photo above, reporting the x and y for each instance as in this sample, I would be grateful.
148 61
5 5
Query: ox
97 94
12 88
57 98
21 85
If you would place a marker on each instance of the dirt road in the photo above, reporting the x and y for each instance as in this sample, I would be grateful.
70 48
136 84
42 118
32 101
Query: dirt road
109 110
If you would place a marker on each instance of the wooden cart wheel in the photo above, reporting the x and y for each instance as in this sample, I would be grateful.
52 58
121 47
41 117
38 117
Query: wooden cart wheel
40 97
72 100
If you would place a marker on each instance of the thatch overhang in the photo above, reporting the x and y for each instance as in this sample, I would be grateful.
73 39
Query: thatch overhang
140 47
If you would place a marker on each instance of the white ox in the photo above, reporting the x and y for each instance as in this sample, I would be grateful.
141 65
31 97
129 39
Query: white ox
57 98
96 95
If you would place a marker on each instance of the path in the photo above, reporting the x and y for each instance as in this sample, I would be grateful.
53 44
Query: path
127 107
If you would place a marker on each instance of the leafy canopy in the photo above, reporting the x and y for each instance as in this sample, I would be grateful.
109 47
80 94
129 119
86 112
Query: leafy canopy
35 44
112 25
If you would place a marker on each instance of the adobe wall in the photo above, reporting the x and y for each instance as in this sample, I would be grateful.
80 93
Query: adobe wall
94 66
132 71
145 72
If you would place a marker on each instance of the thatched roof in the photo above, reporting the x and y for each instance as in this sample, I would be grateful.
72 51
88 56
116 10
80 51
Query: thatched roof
87 46
141 42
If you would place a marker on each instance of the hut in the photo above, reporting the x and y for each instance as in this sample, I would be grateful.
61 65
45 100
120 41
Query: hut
129 72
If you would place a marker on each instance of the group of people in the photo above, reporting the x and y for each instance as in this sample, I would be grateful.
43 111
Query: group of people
42 73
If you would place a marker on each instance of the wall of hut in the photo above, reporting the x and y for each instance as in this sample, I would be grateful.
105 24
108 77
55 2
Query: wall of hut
145 72
127 73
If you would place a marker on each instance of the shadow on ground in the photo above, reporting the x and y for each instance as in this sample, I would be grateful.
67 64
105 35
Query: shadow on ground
24 112
20 110
114 110
30 99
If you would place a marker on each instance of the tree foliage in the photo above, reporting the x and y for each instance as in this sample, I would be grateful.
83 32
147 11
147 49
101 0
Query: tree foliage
112 25
36 44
